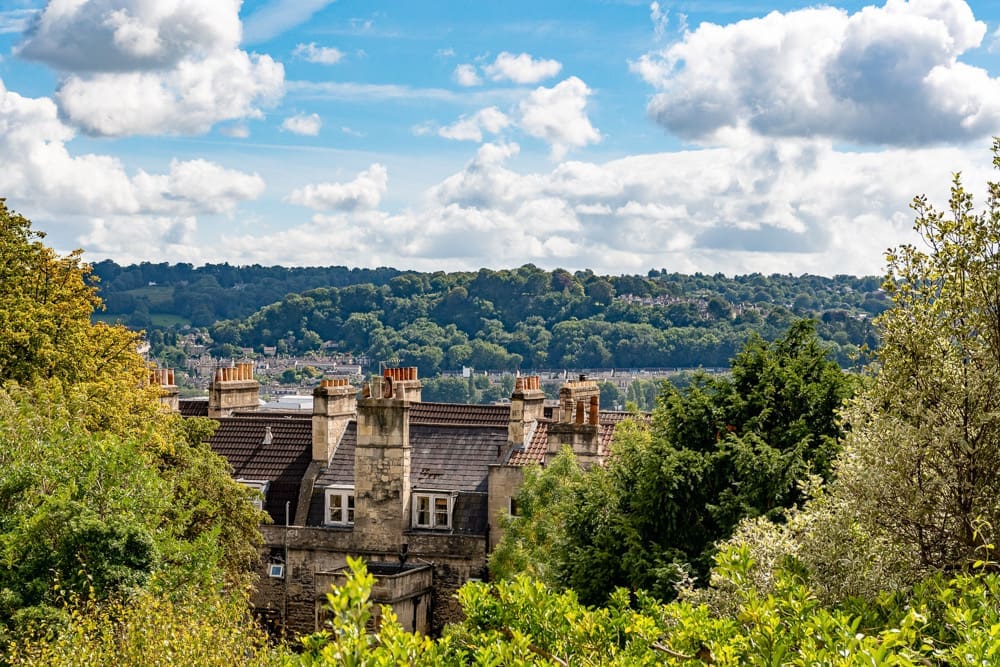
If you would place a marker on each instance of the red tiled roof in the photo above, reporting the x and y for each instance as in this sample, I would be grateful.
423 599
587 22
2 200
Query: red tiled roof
538 444
456 414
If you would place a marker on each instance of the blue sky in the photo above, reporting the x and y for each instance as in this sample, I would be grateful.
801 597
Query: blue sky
707 135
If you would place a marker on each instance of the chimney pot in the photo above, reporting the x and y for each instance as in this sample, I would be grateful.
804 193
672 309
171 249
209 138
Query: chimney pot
579 412
595 410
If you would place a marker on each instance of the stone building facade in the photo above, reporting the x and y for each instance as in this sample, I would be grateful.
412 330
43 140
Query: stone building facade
414 488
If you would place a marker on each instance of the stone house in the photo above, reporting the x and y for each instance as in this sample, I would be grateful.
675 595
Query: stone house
414 488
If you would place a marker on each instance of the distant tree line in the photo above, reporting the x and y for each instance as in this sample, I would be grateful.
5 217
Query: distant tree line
500 320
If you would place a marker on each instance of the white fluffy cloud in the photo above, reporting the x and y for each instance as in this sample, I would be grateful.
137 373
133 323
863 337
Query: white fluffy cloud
323 55
763 205
363 193
559 116
141 67
41 176
521 68
304 124
471 128
143 238
466 75
883 75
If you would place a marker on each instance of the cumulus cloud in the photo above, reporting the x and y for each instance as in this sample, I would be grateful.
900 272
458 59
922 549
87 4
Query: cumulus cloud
323 55
883 75
558 115
41 175
363 193
466 75
143 238
763 205
521 68
471 128
304 124
138 67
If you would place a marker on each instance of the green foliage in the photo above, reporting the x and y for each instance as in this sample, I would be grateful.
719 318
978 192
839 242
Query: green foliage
915 489
721 449
200 628
920 463
534 542
45 307
102 494
523 622
495 320
349 643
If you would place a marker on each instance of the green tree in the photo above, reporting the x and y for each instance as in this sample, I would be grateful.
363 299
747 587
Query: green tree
101 492
721 449
921 458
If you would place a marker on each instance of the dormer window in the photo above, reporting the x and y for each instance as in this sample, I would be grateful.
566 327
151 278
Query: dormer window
257 485
339 506
432 510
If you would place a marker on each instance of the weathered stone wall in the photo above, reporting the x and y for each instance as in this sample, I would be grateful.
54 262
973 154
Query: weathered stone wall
382 473
504 482
454 558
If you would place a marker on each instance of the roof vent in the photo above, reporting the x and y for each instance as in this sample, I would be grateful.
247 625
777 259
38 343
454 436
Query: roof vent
268 436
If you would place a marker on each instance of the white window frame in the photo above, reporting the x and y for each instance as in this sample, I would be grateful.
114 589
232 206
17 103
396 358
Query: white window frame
432 499
346 498
257 485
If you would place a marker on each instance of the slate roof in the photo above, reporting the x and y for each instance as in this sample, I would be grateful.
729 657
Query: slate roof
443 456
282 462
194 407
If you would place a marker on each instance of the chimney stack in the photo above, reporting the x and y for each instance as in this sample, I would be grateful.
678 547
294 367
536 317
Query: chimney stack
169 393
399 383
527 406
579 421
233 389
382 459
335 404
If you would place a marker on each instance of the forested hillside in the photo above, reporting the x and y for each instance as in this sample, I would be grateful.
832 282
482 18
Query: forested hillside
502 320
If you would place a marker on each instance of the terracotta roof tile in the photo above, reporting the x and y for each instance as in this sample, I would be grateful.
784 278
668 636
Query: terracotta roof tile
444 414
534 452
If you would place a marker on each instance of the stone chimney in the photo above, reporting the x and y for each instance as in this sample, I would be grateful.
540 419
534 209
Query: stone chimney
578 424
335 404
398 383
234 388
170 397
527 405
382 460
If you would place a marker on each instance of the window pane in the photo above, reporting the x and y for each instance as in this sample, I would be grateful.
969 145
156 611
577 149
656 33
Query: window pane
423 511
441 512
350 509
336 508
